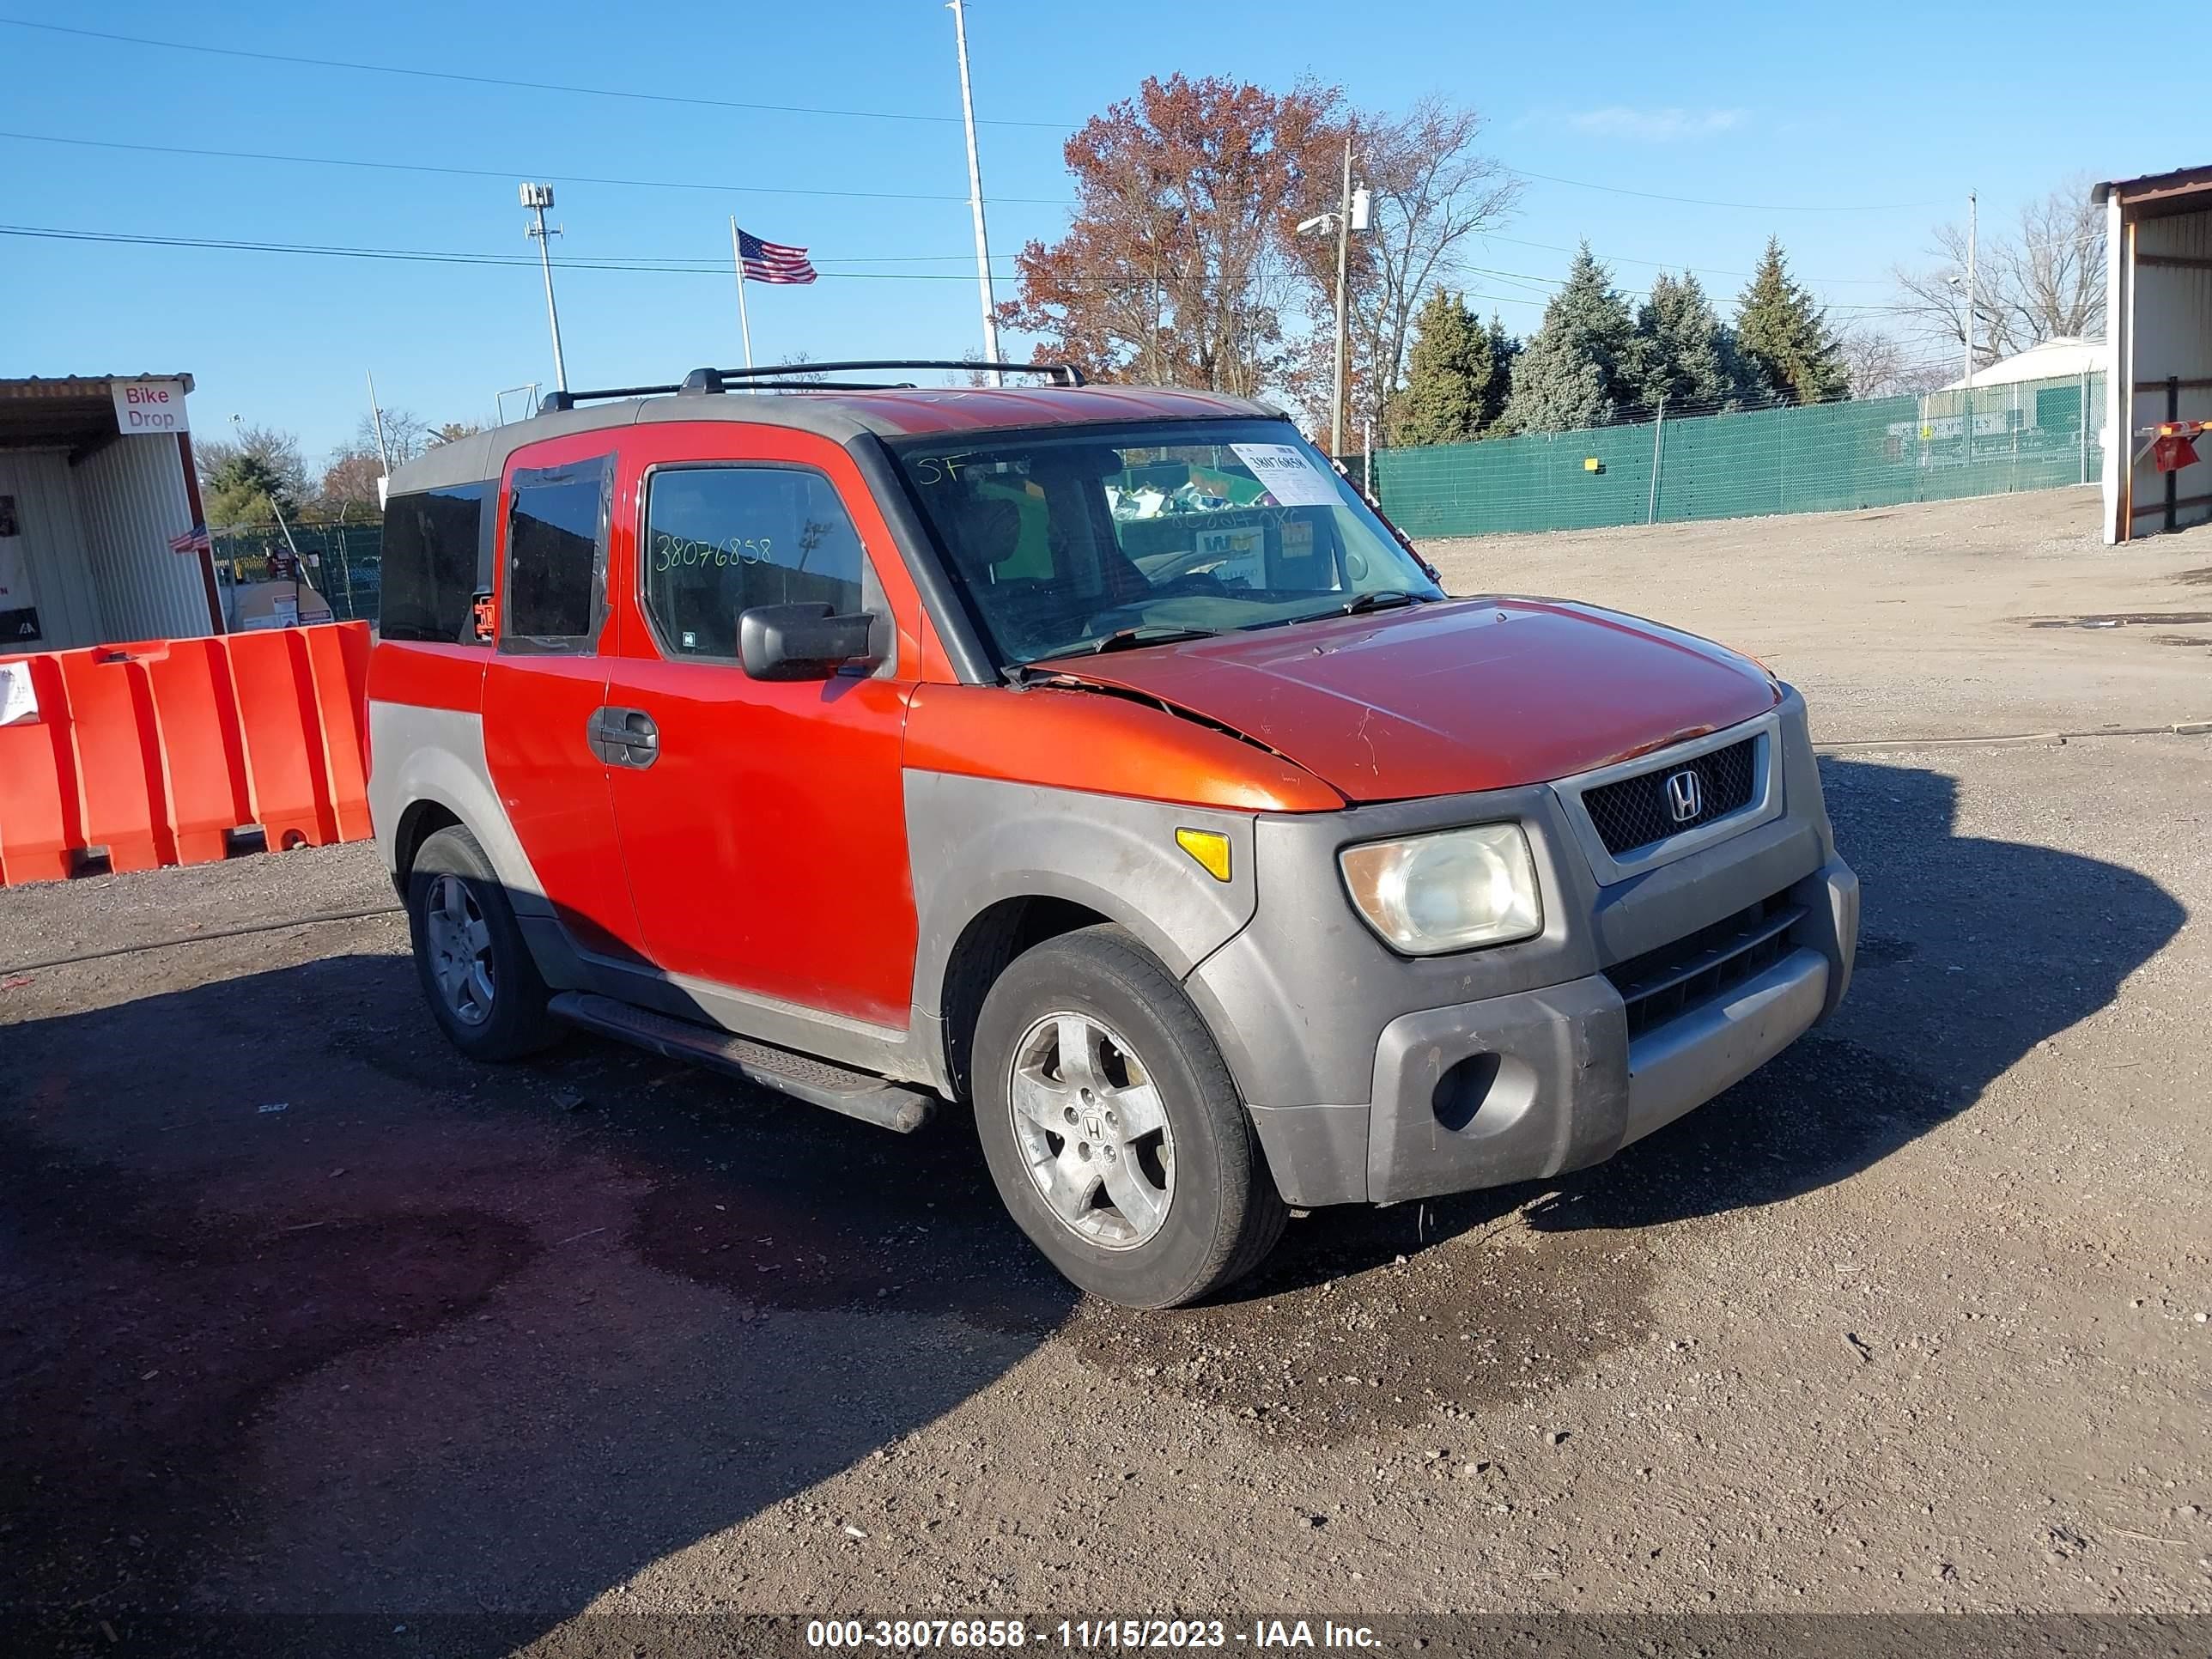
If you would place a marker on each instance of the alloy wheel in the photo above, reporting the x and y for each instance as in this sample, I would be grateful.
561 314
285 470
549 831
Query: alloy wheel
460 950
1093 1131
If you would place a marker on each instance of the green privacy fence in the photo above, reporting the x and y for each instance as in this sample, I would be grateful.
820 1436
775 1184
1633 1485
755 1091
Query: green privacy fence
2035 434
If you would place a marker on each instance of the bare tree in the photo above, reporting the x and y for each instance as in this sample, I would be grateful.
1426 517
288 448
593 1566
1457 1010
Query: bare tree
2046 283
1883 366
1432 191
406 434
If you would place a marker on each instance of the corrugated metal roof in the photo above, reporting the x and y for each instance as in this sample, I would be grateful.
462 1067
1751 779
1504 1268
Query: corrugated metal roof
2156 186
81 386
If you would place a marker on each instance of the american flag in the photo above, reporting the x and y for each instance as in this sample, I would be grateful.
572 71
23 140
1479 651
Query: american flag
195 540
772 262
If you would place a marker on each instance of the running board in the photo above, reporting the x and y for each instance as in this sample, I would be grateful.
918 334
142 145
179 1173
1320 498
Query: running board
856 1094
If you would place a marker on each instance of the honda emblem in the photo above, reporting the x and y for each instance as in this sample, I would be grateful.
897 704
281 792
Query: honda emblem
1685 796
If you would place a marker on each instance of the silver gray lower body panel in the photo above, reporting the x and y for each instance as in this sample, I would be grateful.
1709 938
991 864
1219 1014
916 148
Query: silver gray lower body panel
1526 1086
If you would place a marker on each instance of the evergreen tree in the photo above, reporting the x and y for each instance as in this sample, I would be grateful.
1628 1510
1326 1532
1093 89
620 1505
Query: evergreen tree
1448 398
1680 352
1504 356
1783 334
1570 374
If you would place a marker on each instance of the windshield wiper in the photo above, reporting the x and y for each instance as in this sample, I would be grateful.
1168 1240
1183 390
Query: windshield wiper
1381 598
1124 639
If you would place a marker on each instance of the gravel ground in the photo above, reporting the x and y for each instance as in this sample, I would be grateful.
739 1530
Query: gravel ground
2004 614
303 1315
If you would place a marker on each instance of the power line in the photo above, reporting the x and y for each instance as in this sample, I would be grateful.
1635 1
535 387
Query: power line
511 172
684 266
635 263
352 66
1665 265
1751 207
497 80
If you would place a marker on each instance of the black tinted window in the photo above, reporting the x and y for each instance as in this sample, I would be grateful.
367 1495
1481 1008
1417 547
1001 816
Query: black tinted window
556 556
720 540
431 564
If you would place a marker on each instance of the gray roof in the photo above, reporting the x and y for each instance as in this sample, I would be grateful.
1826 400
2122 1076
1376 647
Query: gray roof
836 415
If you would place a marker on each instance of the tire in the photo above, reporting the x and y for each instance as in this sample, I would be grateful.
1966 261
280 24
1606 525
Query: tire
451 893
1162 1110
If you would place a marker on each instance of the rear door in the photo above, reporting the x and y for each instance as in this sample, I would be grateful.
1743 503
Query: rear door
764 830
548 680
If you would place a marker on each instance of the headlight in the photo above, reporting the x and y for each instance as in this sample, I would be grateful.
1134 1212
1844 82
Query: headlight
1447 892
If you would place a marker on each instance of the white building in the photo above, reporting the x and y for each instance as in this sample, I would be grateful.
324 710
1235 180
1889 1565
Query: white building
2066 357
2158 301
95 480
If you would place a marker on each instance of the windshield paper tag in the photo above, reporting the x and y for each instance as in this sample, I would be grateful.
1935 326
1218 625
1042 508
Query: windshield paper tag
1291 477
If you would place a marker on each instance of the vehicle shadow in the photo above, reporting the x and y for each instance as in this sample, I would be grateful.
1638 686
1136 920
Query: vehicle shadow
314 1328
1971 952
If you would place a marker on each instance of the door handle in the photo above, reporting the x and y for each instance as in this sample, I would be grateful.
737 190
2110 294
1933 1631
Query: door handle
622 736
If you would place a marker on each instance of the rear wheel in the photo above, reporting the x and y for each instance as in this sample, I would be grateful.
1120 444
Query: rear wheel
477 973
1112 1127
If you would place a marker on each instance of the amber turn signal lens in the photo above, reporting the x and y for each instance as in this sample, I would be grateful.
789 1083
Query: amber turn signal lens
1210 848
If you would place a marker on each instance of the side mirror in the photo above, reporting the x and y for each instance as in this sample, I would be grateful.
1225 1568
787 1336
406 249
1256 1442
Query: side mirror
802 641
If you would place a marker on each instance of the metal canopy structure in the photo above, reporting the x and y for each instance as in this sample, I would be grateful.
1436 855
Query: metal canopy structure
69 412
2158 302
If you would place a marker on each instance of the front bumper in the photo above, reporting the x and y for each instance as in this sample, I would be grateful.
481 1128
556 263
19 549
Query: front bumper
1373 1078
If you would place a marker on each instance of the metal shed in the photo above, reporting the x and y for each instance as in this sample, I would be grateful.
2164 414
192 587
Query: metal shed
97 483
2158 296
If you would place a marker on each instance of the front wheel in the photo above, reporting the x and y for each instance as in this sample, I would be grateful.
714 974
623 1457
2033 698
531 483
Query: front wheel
1112 1127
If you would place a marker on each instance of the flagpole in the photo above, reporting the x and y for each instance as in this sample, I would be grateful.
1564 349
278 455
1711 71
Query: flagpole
737 261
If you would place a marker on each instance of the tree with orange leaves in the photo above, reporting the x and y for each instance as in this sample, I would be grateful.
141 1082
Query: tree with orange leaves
1181 263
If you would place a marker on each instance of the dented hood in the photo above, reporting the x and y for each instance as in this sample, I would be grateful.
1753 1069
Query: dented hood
1446 698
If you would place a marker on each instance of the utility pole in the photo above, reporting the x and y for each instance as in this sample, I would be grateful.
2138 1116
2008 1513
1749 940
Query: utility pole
975 195
1972 213
376 414
537 198
1343 269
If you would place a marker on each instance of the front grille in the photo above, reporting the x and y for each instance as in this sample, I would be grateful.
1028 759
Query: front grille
1662 984
1637 811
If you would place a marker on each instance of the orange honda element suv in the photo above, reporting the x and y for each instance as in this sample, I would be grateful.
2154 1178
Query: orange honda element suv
1097 758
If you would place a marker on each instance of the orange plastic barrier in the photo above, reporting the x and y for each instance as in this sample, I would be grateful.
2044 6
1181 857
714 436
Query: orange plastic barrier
158 752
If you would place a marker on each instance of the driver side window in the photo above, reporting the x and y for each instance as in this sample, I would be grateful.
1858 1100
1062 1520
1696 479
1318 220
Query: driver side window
721 539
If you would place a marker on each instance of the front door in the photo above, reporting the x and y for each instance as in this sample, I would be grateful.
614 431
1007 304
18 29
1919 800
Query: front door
764 827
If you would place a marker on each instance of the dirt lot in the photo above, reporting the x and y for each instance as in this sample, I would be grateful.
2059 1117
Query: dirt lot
304 1315
2004 614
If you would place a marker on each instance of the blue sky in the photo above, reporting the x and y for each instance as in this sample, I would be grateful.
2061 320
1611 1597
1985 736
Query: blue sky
1817 110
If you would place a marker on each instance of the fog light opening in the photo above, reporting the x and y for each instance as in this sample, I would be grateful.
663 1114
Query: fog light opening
1463 1089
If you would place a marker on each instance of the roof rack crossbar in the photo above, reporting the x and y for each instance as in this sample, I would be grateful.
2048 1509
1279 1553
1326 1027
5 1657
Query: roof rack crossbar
553 401
704 380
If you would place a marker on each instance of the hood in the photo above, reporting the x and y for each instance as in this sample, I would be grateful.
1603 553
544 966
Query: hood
1443 699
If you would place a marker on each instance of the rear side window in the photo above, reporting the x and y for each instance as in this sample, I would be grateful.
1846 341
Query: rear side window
435 556
721 539
556 557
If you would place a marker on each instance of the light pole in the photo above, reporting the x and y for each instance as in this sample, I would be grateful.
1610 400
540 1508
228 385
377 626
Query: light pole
537 198
975 195
1352 214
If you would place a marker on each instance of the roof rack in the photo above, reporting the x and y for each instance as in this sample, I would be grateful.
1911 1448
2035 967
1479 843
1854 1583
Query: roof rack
553 401
702 382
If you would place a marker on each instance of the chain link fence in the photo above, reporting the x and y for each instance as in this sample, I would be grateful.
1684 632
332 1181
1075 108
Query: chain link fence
1821 457
344 562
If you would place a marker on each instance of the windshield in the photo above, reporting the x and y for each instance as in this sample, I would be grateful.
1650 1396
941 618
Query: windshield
1102 539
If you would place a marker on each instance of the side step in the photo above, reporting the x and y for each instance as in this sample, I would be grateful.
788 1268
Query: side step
856 1094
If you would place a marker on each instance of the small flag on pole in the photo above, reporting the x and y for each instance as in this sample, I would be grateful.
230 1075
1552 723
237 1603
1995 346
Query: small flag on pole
195 540
772 262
